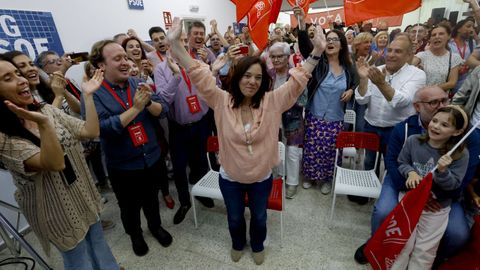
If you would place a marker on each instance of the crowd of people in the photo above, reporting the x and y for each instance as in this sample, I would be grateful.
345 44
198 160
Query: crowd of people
144 111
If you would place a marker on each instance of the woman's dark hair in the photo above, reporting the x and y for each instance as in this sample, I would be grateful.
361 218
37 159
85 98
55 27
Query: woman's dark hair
236 74
460 24
43 88
11 124
124 45
458 120
343 54
407 28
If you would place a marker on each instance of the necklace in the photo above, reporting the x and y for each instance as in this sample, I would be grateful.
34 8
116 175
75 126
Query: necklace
247 129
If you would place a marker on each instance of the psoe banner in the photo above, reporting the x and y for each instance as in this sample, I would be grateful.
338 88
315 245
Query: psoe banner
32 32
338 15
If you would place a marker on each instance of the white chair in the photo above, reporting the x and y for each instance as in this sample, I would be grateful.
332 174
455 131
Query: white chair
356 182
207 186
350 153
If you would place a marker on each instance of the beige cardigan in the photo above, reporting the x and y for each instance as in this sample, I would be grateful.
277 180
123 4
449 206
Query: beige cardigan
234 156
58 213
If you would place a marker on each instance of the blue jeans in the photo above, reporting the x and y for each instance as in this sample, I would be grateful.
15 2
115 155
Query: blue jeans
234 196
92 252
384 134
456 234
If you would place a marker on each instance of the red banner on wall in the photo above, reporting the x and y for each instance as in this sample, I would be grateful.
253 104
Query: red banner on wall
338 15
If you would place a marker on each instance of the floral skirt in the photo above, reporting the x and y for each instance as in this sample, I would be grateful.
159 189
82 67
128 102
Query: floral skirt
319 148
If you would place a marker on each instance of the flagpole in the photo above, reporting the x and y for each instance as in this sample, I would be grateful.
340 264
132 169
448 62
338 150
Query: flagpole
326 6
460 142
419 18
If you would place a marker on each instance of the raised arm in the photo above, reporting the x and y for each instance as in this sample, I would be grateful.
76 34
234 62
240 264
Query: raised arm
50 157
176 45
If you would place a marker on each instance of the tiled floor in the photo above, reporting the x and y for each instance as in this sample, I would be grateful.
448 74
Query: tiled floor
309 242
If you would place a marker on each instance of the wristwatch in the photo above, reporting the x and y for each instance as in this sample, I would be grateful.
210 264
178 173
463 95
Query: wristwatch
315 57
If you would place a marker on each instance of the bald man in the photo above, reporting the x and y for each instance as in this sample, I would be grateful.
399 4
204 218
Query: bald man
426 102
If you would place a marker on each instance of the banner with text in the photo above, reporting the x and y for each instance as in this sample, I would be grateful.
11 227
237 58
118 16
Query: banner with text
338 15
32 32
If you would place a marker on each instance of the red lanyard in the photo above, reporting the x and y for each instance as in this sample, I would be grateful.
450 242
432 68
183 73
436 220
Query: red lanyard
193 54
187 80
114 94
160 56
462 54
74 89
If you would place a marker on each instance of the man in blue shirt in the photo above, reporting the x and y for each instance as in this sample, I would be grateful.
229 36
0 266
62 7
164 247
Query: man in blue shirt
127 111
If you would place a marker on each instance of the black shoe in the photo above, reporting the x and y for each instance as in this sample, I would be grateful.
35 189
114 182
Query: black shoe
139 245
360 256
358 199
180 215
163 237
207 202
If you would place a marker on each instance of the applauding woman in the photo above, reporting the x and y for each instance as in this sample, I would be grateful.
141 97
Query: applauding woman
248 118
39 145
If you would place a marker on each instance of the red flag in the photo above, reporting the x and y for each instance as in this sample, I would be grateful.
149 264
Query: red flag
242 7
304 4
260 16
390 238
361 10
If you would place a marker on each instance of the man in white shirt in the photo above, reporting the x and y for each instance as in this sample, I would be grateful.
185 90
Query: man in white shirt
388 91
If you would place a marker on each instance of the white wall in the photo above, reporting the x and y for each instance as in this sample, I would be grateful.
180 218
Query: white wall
426 11
82 22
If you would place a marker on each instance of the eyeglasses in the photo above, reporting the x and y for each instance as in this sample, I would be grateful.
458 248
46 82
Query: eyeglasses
279 57
54 61
436 102
333 40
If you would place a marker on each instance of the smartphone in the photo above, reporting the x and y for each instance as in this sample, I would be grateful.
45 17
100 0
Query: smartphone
79 57
244 50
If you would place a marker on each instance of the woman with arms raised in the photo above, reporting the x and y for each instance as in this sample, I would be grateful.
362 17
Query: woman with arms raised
248 117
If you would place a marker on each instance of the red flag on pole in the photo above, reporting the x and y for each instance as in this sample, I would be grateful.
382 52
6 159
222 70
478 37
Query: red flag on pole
390 238
260 16
361 10
304 4
242 7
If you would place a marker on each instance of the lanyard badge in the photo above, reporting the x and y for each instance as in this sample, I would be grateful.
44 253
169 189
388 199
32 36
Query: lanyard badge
192 100
137 134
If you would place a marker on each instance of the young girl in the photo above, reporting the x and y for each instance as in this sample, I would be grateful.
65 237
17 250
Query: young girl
419 156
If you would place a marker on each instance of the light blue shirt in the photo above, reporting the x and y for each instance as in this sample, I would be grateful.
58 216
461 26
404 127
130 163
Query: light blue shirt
326 102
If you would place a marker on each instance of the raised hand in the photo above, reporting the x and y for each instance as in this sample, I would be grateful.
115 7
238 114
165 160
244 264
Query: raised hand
36 117
173 35
94 83
58 83
173 66
319 41
377 76
142 96
219 63
300 15
362 67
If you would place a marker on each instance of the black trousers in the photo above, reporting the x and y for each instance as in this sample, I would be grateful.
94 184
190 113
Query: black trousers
188 147
136 190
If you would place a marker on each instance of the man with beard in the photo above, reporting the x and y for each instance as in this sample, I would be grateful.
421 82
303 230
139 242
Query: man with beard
159 41
418 35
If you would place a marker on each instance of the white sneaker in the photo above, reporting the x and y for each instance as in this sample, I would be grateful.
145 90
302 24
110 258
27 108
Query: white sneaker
307 184
326 188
